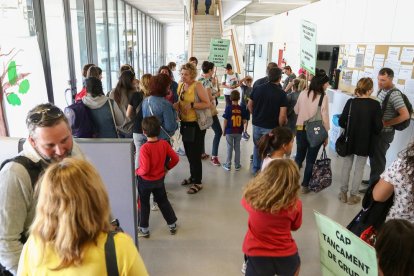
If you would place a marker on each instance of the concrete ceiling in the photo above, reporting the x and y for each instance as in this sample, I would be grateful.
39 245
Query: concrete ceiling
260 9
164 11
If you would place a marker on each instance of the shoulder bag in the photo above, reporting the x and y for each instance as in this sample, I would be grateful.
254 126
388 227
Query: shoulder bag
315 131
341 145
204 116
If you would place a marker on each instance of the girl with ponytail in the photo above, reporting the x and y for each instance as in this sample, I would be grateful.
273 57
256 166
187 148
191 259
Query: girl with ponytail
276 144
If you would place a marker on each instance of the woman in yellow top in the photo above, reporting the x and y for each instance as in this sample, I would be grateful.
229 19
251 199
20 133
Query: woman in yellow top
71 225
191 134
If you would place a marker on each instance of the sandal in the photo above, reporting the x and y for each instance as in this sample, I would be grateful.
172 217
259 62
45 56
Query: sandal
195 188
187 182
205 156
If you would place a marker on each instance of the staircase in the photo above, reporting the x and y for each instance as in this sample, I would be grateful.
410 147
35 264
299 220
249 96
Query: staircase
206 27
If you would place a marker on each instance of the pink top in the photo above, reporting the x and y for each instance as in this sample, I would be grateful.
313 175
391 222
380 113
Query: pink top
306 108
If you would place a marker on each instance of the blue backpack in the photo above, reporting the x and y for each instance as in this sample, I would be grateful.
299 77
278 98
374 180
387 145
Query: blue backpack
80 120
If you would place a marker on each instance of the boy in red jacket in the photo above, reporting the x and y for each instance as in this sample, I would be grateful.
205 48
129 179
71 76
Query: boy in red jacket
151 172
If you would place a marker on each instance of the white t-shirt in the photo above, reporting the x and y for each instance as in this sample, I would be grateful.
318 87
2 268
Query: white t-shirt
267 161
403 206
230 80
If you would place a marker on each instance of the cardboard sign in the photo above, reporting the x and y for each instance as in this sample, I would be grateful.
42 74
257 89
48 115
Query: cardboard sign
343 253
308 46
219 52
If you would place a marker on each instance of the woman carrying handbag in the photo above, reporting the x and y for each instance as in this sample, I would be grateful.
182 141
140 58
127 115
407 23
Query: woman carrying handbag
362 120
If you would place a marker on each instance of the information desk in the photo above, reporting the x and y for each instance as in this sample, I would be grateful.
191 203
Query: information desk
337 101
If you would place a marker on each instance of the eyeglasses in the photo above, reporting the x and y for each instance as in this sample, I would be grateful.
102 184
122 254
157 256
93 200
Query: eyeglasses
46 114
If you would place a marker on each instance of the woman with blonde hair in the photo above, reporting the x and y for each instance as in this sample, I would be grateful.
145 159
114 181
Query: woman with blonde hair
71 226
365 123
191 133
274 208
134 111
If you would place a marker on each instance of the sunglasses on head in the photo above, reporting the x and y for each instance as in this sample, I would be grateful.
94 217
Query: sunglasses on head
46 114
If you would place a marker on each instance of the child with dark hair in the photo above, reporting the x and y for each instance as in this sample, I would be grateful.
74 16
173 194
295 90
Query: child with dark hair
83 92
277 144
395 248
246 88
234 118
151 172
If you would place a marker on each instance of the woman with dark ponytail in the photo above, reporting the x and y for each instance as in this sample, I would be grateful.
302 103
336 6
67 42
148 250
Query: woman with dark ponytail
277 144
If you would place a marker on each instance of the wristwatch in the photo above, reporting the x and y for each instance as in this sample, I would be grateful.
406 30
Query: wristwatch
192 104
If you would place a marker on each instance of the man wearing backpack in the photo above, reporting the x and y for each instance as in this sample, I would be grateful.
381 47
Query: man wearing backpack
395 112
50 140
230 82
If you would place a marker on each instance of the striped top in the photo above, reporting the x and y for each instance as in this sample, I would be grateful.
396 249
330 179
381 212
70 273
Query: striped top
395 102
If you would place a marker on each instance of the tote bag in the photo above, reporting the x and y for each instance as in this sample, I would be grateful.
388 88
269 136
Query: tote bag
321 173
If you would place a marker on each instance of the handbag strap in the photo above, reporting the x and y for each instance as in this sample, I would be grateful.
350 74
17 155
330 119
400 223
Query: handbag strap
347 124
152 114
323 154
110 255
113 117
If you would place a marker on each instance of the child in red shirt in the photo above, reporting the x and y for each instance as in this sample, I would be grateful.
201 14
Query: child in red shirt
274 208
151 172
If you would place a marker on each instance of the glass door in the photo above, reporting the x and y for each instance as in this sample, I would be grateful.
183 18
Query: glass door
249 57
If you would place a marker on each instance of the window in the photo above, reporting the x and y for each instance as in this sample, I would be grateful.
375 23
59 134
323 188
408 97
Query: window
113 42
19 46
122 32
101 44
129 33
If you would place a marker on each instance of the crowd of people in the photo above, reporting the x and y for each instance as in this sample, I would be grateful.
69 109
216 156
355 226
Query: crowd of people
61 222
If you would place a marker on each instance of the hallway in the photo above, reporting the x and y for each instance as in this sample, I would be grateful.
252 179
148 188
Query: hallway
212 223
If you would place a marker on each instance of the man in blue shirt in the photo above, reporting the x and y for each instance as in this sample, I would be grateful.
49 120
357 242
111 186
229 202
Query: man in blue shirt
268 105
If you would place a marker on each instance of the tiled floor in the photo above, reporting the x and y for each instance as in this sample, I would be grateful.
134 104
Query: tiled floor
212 223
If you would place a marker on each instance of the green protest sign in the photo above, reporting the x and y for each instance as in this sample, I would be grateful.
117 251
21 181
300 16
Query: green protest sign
219 51
308 46
343 253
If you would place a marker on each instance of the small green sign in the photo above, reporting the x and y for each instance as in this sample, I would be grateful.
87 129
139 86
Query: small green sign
219 52
343 253
308 46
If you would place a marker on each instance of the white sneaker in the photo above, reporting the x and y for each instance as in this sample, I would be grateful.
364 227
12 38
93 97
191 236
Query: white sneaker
244 266
155 207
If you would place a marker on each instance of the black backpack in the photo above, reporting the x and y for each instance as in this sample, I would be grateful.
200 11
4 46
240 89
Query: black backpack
33 168
80 120
403 125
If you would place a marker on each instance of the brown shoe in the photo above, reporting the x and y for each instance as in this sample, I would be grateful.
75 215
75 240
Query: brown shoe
343 197
354 199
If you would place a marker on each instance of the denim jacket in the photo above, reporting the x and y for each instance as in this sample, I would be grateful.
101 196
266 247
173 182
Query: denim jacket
164 111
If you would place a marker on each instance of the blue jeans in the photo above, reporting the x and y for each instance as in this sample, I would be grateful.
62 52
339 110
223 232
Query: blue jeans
233 142
304 150
258 132
217 135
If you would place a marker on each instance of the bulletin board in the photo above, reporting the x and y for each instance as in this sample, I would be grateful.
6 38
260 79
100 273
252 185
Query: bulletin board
365 60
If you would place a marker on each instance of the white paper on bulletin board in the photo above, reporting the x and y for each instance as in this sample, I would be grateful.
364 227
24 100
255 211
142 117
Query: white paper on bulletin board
407 54
405 72
394 53
369 55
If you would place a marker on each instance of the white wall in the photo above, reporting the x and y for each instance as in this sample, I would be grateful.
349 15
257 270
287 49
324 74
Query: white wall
174 43
230 7
338 22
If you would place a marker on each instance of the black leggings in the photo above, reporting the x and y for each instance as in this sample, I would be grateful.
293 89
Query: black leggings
193 150
270 266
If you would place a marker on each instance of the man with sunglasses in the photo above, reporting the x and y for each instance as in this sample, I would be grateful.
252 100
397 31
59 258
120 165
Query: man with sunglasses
50 140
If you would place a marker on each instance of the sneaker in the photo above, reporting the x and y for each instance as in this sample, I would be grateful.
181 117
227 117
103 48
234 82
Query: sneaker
205 156
247 134
343 197
237 167
226 166
305 190
173 229
251 158
243 269
142 234
214 160
245 137
180 152
354 199
155 207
